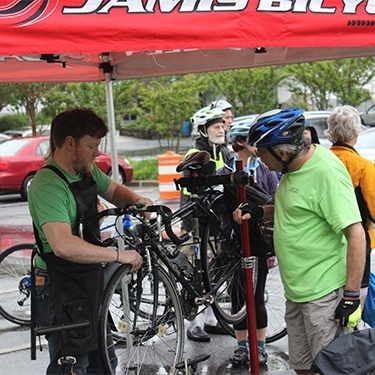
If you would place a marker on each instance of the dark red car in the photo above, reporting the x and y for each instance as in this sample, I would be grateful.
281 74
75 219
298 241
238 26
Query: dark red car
21 158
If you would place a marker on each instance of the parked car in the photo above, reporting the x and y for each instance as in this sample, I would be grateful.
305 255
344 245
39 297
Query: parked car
365 145
4 137
368 117
27 131
21 158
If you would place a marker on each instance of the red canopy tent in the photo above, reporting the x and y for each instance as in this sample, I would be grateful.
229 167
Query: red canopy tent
164 37
95 40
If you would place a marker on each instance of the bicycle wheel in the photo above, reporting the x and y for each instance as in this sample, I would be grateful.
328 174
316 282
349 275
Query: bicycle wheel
275 304
15 281
141 323
222 264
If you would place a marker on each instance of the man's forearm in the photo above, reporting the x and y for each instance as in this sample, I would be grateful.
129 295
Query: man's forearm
356 256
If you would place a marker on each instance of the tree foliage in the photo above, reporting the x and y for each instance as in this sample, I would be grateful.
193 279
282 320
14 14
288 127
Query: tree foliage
28 96
316 82
249 90
164 104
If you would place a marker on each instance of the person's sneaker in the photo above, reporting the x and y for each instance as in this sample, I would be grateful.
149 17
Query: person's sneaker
262 357
240 357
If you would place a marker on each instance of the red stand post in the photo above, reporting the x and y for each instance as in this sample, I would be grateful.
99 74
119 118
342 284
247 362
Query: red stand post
249 287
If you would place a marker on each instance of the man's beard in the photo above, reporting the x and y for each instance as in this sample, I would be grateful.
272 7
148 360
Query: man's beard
79 167
217 140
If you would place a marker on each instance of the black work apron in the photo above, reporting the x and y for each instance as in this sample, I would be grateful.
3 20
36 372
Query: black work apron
78 288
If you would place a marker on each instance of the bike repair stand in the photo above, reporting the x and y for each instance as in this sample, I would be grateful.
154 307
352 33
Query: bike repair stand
66 362
249 288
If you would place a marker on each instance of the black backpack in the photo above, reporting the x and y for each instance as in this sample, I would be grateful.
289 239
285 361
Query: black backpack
350 354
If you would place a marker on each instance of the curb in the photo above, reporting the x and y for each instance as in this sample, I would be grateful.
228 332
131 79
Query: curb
143 183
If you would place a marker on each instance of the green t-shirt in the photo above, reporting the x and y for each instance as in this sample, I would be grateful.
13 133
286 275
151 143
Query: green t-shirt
51 200
312 207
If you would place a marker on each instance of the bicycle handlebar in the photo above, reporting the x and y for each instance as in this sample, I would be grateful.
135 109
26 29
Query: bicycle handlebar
139 209
235 178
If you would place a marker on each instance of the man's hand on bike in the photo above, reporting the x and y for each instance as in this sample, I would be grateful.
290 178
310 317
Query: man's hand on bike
348 312
238 216
147 202
244 212
131 257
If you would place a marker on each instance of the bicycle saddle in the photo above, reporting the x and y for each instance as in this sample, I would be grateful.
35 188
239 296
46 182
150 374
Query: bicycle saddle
195 160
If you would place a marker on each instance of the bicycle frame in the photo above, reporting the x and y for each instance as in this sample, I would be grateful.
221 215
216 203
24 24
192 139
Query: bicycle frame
196 208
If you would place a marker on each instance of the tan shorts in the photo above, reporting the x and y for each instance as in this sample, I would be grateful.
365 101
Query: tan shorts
311 326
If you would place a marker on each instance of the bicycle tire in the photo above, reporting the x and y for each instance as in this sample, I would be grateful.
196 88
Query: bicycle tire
156 335
222 265
15 281
275 305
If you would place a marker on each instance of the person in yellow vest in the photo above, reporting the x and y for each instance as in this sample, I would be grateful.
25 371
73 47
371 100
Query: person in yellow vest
344 125
208 125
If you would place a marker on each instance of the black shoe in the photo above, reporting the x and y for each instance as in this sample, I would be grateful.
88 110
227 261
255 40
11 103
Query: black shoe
240 357
262 357
215 330
197 334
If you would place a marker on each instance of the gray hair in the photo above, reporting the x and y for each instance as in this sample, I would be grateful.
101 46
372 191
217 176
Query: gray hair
287 148
344 124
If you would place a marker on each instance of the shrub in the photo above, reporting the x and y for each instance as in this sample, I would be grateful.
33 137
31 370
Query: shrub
146 169
16 121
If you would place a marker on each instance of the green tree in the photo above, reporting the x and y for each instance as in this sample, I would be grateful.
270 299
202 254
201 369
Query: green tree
343 78
3 96
27 96
351 75
165 103
249 90
70 95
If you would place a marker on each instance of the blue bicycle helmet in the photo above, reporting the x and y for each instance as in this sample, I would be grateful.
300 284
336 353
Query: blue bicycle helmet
279 126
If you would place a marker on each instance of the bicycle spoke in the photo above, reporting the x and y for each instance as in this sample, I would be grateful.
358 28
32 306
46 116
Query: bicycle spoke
143 336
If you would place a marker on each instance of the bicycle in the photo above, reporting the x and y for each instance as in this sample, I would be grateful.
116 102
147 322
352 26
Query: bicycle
144 311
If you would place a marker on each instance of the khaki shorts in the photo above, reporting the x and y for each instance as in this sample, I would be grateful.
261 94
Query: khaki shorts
311 326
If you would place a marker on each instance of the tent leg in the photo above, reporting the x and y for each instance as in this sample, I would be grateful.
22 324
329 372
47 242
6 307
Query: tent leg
111 125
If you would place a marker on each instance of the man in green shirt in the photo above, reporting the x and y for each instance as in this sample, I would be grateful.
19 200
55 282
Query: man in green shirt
69 279
318 236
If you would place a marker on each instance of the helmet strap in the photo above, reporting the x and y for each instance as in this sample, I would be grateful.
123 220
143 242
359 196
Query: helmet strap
214 151
204 134
285 163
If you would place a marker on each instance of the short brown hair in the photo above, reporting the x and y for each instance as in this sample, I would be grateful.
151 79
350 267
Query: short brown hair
76 122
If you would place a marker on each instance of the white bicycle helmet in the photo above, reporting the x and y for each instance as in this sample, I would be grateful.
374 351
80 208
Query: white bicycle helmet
204 118
221 104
